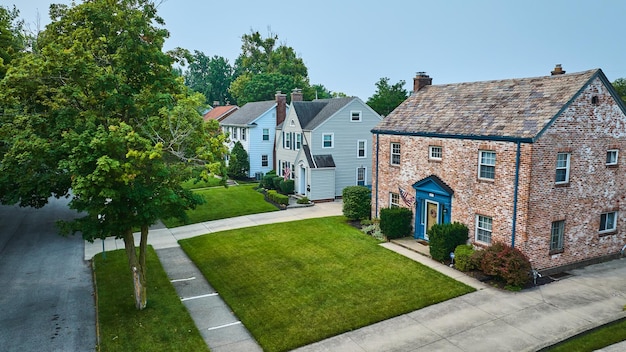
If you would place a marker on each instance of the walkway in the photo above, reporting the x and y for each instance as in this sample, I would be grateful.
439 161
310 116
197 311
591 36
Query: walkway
486 320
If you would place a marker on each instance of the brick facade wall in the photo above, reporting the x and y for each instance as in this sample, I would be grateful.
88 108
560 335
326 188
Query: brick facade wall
585 129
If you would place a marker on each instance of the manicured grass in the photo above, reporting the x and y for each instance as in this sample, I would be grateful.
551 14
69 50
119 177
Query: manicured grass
295 283
595 339
196 184
222 203
164 325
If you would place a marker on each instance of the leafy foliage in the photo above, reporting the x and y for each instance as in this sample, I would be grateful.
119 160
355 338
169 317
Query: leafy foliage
12 39
396 222
210 76
463 257
239 163
357 201
620 87
444 238
506 263
387 97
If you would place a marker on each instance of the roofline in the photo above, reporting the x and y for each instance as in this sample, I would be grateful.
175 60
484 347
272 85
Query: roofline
456 136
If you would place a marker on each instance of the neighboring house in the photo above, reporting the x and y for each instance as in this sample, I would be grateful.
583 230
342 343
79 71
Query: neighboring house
254 126
219 113
536 163
325 145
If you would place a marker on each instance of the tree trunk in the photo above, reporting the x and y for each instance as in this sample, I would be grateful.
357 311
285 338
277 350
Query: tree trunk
137 268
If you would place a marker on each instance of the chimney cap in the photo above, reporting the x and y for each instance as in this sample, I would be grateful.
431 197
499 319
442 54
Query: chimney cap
421 74
558 70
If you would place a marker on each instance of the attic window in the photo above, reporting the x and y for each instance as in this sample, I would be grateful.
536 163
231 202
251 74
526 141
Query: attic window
594 100
292 123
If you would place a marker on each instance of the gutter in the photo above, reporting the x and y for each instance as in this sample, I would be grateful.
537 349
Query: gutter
517 167
376 183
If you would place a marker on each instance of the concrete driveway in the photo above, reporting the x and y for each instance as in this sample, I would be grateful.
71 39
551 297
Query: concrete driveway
46 299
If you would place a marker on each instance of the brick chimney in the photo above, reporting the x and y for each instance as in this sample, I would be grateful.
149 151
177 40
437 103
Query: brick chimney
281 107
420 81
296 95
558 70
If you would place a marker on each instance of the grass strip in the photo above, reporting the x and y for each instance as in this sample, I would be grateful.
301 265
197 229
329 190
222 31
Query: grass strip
296 283
222 203
164 325
593 340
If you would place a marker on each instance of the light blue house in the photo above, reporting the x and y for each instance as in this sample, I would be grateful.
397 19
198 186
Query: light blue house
325 145
254 126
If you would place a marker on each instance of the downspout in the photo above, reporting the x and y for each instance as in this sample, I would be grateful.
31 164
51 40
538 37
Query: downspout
376 183
517 166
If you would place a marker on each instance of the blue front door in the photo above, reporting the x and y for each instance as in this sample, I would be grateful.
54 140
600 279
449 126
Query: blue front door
433 205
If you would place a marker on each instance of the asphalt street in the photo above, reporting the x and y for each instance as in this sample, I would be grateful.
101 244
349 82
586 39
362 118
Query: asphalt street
46 294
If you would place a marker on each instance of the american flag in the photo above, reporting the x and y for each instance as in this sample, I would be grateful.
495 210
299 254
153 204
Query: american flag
406 197
286 173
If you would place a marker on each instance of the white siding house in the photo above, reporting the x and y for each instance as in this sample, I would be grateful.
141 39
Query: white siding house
325 145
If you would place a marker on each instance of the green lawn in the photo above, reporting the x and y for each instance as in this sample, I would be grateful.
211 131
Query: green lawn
295 283
198 183
164 325
593 340
222 203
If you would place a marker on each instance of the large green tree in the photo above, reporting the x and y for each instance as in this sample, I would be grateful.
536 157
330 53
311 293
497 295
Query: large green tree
12 38
210 76
387 97
239 163
263 67
97 113
620 87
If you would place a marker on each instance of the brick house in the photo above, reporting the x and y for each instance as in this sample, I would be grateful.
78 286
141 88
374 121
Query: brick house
532 162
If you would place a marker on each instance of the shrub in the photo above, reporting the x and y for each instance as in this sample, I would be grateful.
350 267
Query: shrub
276 180
373 229
268 180
396 222
444 238
239 163
287 186
506 263
303 200
357 202
277 198
463 257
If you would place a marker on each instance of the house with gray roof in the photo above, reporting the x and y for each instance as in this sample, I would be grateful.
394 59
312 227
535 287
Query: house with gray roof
324 145
532 162
254 126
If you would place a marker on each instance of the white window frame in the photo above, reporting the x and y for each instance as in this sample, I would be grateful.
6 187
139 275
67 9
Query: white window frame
292 123
287 140
243 133
357 114
557 232
266 134
395 154
332 140
484 165
608 218
482 230
612 156
435 152
364 175
235 133
394 200
361 146
298 141
560 167
265 160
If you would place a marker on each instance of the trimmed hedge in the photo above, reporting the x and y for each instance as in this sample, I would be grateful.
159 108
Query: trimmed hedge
463 257
444 238
357 202
268 180
287 187
396 222
276 180
277 197
506 263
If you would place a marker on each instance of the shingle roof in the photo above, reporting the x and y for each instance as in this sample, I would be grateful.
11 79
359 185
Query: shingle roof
312 113
248 113
220 112
502 109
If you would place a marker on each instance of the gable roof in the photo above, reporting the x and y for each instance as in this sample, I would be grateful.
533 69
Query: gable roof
312 113
248 113
511 109
317 161
220 112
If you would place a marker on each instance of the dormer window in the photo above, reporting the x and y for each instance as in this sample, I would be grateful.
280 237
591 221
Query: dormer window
594 100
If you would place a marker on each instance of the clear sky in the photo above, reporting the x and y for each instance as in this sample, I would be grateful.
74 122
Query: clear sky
348 45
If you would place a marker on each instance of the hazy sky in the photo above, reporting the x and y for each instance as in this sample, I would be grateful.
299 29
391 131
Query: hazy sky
349 45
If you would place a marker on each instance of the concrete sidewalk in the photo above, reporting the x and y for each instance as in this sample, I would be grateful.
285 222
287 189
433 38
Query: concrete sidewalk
486 320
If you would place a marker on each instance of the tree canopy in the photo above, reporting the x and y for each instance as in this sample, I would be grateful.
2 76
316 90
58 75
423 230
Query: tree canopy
210 76
387 97
12 38
96 112
620 86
